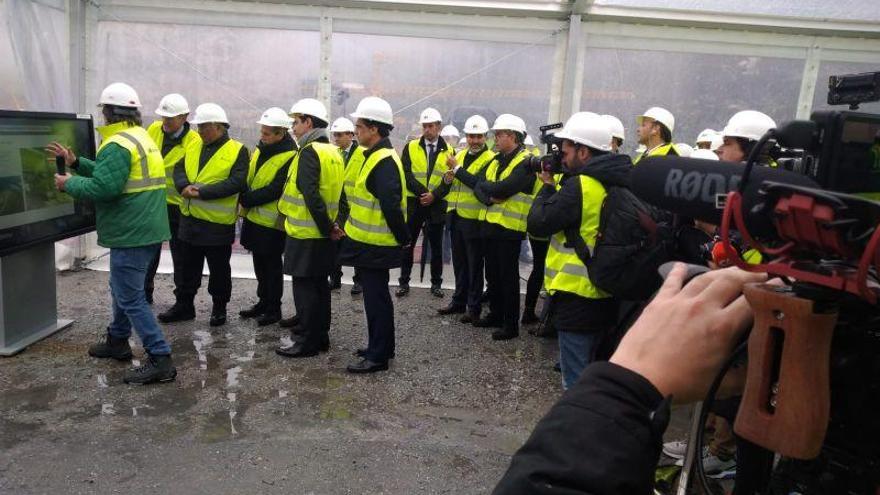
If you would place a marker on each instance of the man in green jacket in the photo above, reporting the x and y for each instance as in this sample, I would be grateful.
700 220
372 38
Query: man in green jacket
126 183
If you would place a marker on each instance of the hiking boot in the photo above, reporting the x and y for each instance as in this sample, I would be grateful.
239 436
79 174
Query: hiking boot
356 289
112 347
156 369
289 322
436 290
218 315
269 318
179 312
403 290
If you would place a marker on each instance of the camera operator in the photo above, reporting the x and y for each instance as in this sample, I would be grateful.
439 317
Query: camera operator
604 434
570 217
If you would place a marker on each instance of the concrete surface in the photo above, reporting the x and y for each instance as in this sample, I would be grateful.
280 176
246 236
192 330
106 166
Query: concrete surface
239 419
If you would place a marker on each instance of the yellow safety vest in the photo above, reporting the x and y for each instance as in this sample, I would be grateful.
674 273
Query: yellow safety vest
564 271
461 198
146 172
298 221
266 214
353 168
666 149
366 222
174 155
220 210
418 158
512 212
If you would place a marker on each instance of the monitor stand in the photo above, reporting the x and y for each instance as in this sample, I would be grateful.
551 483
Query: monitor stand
28 310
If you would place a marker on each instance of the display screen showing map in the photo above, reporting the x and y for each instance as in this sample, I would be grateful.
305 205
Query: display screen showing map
32 210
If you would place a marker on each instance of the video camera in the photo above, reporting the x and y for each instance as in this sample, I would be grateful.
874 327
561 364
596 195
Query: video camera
551 161
812 391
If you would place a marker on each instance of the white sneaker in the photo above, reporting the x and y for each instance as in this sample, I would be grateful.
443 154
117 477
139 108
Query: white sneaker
712 464
675 449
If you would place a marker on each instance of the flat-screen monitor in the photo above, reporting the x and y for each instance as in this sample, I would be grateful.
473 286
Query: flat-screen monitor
32 210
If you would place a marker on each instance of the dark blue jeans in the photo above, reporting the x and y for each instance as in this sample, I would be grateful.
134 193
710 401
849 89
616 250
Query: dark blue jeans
128 269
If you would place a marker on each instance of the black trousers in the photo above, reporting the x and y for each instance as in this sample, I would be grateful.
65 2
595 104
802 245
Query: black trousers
475 248
417 217
176 255
502 275
459 263
270 279
380 313
336 276
220 280
536 278
311 297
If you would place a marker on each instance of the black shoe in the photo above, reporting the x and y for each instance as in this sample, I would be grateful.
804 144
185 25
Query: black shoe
296 350
452 309
268 318
529 317
504 334
469 317
112 347
289 322
155 369
148 295
366 366
403 290
356 289
436 291
218 315
363 353
178 312
252 312
335 283
490 321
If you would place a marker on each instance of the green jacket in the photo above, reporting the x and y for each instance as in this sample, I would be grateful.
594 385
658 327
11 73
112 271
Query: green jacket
123 220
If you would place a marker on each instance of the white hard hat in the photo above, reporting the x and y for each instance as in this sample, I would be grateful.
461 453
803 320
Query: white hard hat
509 122
660 115
342 124
528 141
704 154
706 136
208 113
615 126
684 149
716 142
449 130
172 105
374 108
429 115
588 129
120 95
476 124
462 141
748 124
275 117
310 107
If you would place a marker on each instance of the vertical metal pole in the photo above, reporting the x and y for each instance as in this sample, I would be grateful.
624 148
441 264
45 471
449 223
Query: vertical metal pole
573 53
809 80
324 86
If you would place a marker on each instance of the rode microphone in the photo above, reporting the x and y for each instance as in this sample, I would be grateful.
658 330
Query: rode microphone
697 188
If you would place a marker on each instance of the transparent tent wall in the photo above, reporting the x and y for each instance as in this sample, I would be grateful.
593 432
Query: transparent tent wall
831 68
701 90
244 70
404 70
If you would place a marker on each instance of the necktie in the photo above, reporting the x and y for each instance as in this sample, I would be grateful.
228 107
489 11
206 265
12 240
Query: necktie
431 158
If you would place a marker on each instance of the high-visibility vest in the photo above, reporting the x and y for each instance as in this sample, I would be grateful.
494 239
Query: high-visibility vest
461 198
564 271
666 149
267 214
298 221
220 210
418 158
512 212
366 222
147 170
353 168
174 155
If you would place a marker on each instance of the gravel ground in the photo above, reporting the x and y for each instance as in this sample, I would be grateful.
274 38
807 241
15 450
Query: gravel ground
239 419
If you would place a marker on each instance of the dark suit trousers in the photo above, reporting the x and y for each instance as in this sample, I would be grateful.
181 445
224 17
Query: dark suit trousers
176 255
418 216
220 280
536 278
502 274
380 313
270 279
311 296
